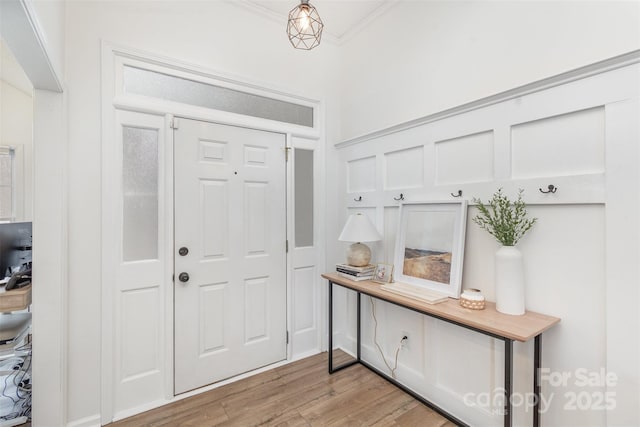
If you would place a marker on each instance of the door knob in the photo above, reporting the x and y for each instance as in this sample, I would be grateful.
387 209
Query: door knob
183 277
183 251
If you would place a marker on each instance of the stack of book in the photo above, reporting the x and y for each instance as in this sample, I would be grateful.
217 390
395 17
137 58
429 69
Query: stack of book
356 273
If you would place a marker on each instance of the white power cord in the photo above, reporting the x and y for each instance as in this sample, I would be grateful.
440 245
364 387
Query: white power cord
375 341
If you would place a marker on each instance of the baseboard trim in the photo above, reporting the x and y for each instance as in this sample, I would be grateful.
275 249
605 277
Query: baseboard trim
90 421
304 355
140 409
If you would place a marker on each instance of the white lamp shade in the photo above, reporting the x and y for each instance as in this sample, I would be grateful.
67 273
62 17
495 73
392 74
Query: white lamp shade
359 229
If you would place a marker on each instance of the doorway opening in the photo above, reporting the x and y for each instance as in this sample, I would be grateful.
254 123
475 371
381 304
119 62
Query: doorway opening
229 203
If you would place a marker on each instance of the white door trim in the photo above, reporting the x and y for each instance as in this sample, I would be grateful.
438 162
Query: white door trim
115 57
113 98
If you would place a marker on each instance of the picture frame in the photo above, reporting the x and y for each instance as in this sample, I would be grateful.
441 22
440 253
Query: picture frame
430 245
383 273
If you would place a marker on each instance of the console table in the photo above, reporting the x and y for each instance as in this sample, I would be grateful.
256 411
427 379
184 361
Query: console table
488 322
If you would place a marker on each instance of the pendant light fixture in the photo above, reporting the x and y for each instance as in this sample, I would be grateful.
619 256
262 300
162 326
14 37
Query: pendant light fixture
304 26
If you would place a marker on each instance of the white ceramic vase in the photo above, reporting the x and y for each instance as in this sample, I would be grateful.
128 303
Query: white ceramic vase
509 280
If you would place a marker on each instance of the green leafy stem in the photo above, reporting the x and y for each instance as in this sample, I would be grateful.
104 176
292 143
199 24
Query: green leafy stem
505 220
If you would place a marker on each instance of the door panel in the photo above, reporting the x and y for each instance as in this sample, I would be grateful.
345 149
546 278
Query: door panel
137 292
230 315
305 286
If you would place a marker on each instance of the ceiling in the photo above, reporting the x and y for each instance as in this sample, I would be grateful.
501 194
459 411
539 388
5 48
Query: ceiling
342 18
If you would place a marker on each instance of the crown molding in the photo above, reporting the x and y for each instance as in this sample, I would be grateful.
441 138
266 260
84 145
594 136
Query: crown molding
379 11
326 35
274 17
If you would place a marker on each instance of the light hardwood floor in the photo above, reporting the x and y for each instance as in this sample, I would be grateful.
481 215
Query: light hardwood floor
298 394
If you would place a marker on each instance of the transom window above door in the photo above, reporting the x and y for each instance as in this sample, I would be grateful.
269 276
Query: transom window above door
139 81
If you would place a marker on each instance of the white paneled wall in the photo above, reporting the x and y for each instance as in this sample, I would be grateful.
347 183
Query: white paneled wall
564 145
361 175
404 168
475 166
557 134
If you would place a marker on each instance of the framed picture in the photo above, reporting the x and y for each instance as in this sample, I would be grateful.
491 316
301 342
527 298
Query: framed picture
430 245
383 273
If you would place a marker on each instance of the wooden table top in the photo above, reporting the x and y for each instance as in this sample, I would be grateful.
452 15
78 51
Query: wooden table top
519 328
15 299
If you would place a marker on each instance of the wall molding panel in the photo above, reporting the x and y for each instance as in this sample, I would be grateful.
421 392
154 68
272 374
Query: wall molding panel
566 131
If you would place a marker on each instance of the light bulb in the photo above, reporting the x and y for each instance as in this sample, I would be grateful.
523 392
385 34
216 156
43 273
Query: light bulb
305 20
304 26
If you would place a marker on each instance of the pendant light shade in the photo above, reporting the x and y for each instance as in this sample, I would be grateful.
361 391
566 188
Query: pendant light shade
304 26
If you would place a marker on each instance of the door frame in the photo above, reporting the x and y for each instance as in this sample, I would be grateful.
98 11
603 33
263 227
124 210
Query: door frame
114 58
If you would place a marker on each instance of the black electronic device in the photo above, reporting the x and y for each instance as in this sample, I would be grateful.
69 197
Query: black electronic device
15 248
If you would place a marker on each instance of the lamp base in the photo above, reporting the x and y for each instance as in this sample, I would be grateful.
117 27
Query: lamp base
358 255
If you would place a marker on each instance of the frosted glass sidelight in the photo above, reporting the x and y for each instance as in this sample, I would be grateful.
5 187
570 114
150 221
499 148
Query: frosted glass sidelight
157 85
303 184
140 193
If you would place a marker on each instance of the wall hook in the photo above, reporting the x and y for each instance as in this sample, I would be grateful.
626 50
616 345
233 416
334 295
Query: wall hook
458 194
359 199
399 198
550 189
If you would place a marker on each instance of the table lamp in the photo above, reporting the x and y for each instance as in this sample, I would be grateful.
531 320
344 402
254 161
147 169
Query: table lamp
359 229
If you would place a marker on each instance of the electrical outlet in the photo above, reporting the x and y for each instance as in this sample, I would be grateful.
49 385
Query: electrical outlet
404 343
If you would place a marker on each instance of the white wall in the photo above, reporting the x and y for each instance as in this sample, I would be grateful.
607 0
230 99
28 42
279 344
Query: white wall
426 56
16 127
579 257
214 35
49 259
423 57
16 122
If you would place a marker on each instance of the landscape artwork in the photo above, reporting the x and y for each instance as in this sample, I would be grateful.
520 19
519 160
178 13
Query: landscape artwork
428 245
429 250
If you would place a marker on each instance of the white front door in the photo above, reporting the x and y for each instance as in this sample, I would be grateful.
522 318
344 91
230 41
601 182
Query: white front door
230 259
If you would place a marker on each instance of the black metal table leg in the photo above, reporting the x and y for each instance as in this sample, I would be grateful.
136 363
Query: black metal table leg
508 381
358 341
537 362
330 327
333 369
